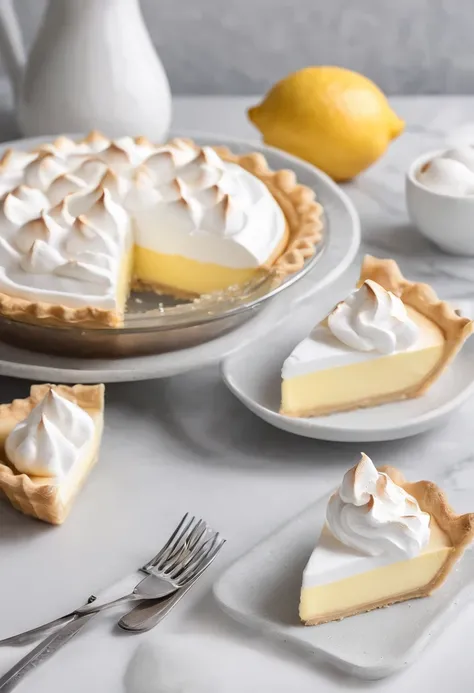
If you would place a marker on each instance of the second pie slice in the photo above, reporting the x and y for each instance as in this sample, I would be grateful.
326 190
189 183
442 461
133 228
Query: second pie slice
389 340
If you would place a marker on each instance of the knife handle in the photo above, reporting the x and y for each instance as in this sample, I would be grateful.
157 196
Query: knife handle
42 652
146 616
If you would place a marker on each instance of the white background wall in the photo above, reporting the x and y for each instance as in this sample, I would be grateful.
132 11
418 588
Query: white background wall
242 46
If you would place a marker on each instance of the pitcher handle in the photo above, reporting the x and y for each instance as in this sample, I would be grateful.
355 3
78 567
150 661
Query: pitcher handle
12 49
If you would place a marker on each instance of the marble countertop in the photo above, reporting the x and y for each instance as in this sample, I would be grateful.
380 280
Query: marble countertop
186 444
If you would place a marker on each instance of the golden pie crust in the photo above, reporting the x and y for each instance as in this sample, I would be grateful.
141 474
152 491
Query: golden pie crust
459 529
423 299
36 496
304 231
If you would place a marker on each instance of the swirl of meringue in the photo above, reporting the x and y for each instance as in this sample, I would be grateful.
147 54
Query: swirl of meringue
373 515
50 440
373 319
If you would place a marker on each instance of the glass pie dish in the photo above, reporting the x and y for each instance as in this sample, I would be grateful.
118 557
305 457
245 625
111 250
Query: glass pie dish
156 323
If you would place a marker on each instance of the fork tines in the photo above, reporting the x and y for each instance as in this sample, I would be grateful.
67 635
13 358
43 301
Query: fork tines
188 552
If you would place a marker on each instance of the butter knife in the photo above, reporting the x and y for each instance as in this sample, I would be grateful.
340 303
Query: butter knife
146 616
42 652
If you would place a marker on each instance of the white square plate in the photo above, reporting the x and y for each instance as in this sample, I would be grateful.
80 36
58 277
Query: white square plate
262 590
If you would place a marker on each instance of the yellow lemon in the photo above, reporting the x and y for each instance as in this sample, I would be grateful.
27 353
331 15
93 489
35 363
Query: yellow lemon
334 118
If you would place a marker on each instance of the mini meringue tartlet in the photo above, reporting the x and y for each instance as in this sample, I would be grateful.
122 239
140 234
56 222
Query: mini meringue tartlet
82 223
385 540
389 340
440 198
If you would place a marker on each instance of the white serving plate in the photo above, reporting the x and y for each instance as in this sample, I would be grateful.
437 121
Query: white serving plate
253 375
261 590
342 241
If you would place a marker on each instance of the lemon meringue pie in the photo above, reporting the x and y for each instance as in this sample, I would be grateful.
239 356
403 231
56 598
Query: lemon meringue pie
49 443
389 340
385 541
81 223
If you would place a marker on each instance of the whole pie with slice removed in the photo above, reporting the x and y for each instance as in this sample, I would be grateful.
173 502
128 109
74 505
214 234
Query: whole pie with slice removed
82 223
49 443
389 340
385 540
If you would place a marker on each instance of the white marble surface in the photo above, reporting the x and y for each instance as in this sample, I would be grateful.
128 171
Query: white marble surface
186 443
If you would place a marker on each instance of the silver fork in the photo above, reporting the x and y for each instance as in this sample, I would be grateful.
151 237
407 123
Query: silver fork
186 554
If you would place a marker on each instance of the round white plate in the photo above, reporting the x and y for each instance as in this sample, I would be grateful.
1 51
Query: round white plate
341 243
253 375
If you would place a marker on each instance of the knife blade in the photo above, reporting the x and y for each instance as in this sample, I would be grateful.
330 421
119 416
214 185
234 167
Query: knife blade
146 616
42 652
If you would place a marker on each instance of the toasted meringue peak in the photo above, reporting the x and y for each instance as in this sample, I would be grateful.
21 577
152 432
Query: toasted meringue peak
141 193
64 144
172 191
91 170
96 141
200 176
60 213
41 172
79 203
23 204
45 228
41 258
15 159
85 273
116 185
209 197
162 166
186 214
143 141
64 185
224 218
84 237
115 157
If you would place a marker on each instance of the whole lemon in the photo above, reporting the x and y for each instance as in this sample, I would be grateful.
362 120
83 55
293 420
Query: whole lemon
334 118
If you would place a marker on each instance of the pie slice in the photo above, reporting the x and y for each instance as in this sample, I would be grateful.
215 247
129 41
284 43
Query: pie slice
49 443
389 340
386 540
82 223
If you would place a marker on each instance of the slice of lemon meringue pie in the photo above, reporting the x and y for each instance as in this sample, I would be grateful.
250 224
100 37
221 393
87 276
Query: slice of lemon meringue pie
385 540
81 223
49 443
389 340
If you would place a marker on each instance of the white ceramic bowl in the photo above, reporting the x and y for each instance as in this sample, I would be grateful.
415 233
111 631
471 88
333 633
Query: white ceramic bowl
446 220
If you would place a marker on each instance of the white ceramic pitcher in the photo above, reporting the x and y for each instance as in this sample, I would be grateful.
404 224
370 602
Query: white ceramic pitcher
93 65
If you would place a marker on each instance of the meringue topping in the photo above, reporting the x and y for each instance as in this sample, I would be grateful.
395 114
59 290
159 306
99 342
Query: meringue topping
373 515
50 441
373 319
100 197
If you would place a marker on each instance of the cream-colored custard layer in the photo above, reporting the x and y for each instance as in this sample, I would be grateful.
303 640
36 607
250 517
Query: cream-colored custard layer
345 387
184 275
323 376
377 587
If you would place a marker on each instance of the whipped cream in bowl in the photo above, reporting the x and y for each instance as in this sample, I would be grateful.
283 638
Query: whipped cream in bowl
439 188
